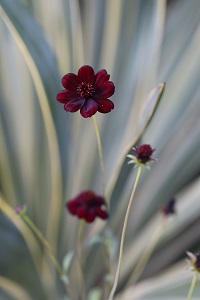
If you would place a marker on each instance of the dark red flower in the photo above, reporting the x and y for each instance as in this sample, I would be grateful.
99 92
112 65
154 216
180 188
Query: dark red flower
87 91
143 153
194 260
168 208
87 205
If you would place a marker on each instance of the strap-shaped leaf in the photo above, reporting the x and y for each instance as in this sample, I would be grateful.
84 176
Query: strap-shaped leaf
146 115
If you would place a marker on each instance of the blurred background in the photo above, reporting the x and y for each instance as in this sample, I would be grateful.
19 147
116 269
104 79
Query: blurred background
48 155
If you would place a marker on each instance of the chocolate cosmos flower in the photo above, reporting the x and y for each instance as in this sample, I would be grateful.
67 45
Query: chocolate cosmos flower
194 260
87 91
143 153
87 205
169 208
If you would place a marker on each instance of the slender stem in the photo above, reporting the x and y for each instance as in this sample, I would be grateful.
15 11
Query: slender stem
123 234
80 260
80 237
100 152
107 277
44 242
144 258
192 286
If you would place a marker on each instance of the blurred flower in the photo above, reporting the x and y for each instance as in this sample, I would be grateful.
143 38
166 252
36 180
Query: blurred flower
87 91
87 205
194 260
20 209
168 208
142 155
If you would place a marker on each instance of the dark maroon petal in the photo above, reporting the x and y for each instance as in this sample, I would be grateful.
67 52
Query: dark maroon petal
89 108
74 105
61 97
102 213
87 205
65 96
105 105
169 207
197 262
72 207
70 81
81 212
85 196
100 77
99 200
90 216
143 153
86 73
104 91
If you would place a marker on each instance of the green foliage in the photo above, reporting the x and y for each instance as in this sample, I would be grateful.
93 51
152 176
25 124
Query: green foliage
47 155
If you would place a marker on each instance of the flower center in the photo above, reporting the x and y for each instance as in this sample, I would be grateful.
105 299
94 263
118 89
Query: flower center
85 89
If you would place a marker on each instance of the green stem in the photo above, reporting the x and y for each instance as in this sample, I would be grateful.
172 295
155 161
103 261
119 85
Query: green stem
80 237
107 277
193 283
80 261
44 242
100 152
123 234
144 258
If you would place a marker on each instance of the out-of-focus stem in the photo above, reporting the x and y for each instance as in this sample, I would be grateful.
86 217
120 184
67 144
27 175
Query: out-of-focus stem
193 283
100 152
80 260
123 234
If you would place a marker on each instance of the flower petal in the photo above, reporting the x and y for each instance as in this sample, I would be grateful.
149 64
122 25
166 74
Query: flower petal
81 212
74 105
90 216
70 82
101 213
87 205
100 77
86 74
85 196
99 200
65 96
105 105
72 207
89 108
104 91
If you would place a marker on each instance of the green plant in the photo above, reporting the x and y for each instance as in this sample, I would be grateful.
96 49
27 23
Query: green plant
141 44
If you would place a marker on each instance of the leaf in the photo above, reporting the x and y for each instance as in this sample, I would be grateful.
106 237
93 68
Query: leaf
97 239
147 113
67 260
150 106
13 289
20 253
95 294
174 283
40 70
